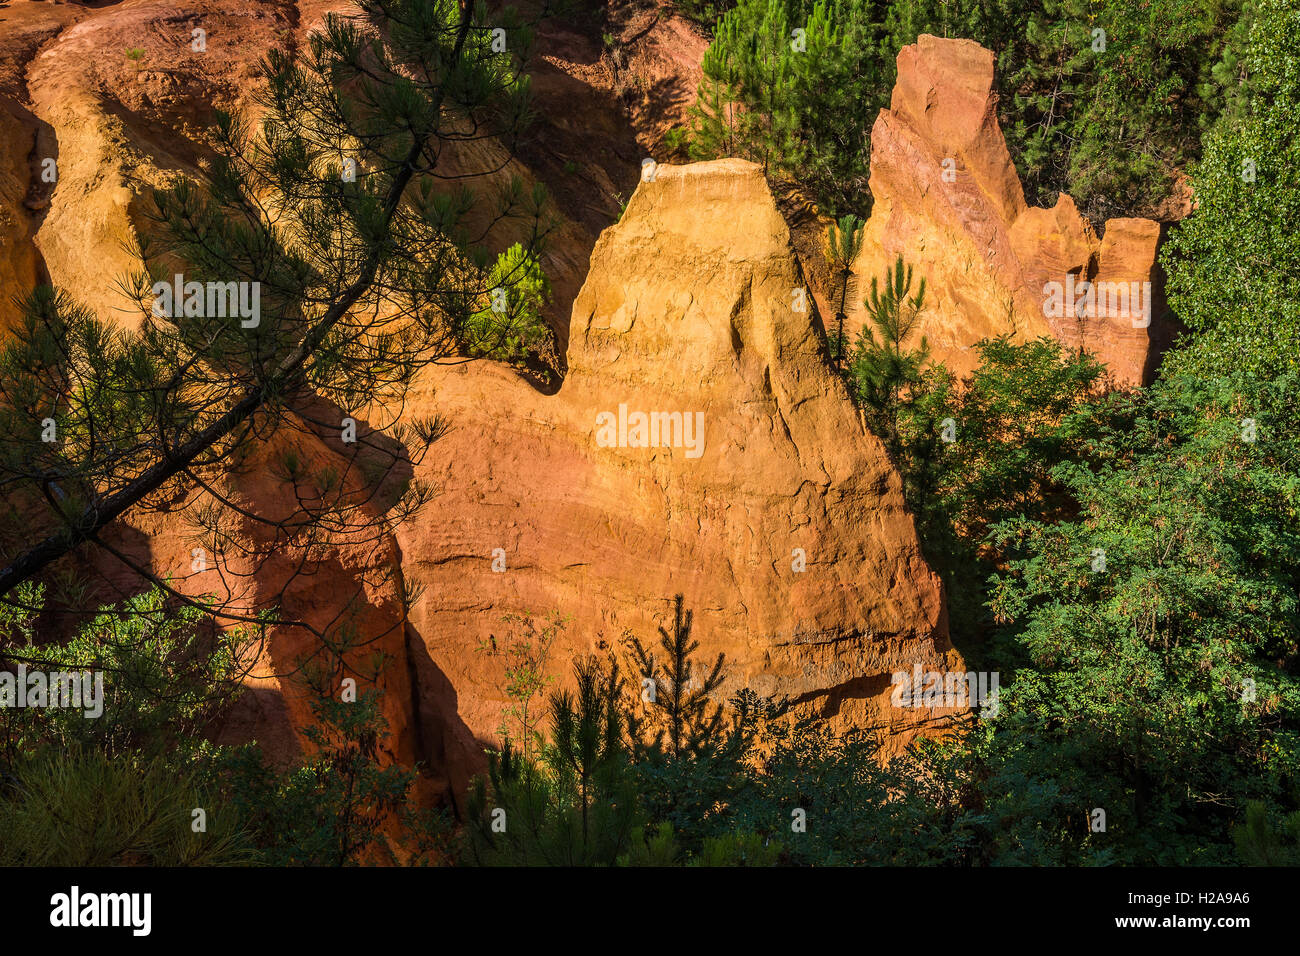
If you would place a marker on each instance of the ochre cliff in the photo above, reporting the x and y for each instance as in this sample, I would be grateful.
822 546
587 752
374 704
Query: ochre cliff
948 200
686 308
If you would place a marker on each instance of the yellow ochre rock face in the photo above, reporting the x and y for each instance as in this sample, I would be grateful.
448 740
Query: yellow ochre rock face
948 200
686 317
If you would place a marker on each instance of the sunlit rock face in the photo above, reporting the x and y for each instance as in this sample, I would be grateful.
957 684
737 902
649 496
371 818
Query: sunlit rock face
948 200
770 508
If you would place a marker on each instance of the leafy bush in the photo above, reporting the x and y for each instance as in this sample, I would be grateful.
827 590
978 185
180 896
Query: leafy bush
510 326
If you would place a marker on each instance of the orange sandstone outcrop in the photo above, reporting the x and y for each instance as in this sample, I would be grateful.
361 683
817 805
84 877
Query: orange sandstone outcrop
784 527
123 101
949 201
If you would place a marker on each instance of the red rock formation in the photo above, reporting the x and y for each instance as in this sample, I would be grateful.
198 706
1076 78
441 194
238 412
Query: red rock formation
948 199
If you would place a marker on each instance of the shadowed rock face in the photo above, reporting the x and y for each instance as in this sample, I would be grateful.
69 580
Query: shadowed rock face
948 199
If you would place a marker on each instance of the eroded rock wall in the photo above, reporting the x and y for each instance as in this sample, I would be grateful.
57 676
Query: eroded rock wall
949 201
686 309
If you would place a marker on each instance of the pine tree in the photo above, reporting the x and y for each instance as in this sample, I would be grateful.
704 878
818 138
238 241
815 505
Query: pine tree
794 85
843 243
711 132
884 367
683 717
586 749
577 805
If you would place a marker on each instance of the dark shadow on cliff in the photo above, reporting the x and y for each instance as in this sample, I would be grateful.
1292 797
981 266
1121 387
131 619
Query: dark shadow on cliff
1166 327
451 753
866 687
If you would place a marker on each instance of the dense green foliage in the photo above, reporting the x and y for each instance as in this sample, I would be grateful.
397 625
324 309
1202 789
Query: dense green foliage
119 786
1111 118
1160 625
1234 266
974 452
784 62
331 809
1143 544
95 809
